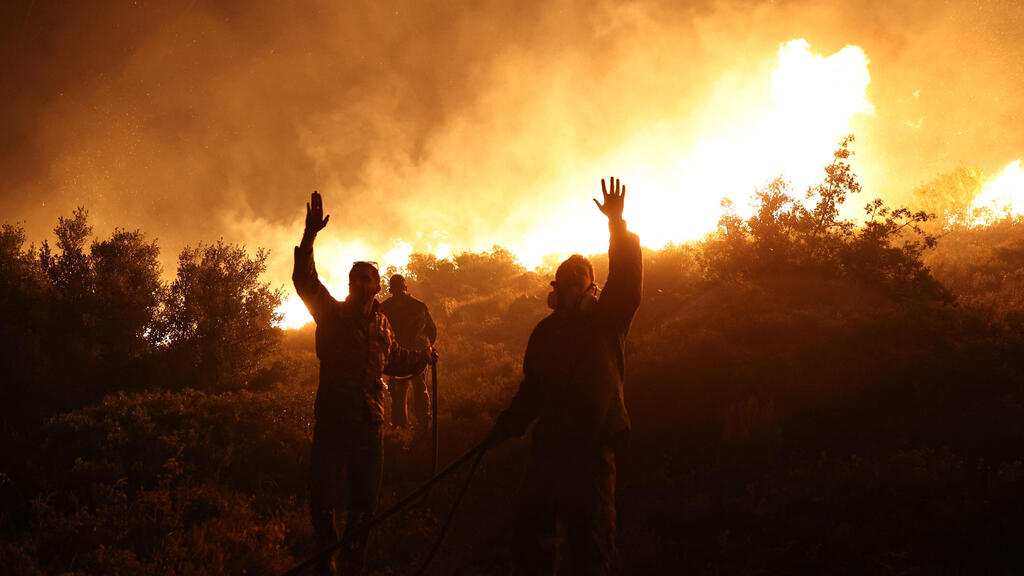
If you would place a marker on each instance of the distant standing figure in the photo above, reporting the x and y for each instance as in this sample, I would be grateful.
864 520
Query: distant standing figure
356 347
415 329
573 388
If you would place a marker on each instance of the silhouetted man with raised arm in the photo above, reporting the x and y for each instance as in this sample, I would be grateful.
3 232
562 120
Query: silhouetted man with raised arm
415 329
572 387
356 347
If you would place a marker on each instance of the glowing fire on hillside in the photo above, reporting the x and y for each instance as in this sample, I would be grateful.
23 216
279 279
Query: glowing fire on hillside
1002 196
785 121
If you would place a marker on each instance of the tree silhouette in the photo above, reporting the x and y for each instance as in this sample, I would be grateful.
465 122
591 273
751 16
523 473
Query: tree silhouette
217 319
25 294
785 236
127 289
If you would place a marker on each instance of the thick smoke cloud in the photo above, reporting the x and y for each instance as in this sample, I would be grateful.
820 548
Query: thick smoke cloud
461 124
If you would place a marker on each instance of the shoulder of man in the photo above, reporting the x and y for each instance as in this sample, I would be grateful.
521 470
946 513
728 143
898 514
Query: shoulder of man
408 301
343 305
545 326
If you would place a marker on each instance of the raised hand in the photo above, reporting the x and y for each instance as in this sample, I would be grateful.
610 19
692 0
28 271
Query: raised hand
614 199
315 220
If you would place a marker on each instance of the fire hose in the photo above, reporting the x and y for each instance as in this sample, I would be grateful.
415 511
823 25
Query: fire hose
477 451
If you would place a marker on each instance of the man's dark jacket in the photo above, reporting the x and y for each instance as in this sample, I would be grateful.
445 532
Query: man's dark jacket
410 320
354 350
574 363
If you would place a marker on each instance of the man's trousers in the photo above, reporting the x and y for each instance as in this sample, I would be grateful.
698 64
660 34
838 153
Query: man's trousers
346 466
400 389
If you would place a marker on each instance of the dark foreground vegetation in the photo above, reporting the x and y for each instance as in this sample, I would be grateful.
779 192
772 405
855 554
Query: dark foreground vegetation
808 396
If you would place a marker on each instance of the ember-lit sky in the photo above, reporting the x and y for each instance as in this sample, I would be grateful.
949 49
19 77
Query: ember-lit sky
454 126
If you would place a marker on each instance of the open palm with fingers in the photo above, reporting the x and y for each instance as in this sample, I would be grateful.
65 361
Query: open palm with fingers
614 199
315 220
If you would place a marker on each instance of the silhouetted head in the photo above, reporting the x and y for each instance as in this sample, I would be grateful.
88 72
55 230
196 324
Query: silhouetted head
363 281
397 284
574 280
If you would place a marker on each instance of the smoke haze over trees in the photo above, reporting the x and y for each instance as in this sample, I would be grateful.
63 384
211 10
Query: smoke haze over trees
201 120
823 383
83 323
809 394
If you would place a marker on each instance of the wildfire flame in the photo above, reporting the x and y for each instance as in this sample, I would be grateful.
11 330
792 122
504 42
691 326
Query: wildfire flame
293 313
788 124
1001 197
785 121
338 260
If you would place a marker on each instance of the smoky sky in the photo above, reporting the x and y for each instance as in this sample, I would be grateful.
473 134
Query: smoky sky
195 120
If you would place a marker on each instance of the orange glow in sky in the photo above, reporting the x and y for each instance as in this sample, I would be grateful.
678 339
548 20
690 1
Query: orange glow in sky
785 121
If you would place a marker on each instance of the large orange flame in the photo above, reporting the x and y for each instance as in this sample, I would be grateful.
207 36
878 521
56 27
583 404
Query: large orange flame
785 121
1002 196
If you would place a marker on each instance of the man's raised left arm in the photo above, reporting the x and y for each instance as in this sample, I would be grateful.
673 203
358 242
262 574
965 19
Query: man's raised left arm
304 276
623 291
